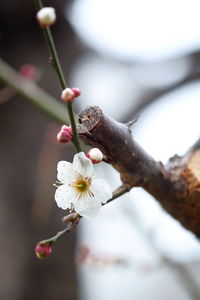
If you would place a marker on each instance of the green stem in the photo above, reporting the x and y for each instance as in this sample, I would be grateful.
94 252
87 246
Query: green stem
58 69
55 59
54 239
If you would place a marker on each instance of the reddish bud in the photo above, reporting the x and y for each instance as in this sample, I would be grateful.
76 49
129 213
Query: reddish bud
65 134
68 94
28 71
95 155
43 250
76 91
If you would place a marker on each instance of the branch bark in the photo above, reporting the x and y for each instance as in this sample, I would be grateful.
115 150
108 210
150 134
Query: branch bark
176 186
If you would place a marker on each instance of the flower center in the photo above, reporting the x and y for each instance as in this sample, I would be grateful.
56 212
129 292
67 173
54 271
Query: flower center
82 185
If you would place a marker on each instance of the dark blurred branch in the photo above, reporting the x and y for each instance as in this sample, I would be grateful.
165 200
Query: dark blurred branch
151 96
32 93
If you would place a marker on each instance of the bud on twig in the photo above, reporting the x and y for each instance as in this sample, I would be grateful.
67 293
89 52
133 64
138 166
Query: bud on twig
95 155
46 16
43 250
68 94
76 91
65 134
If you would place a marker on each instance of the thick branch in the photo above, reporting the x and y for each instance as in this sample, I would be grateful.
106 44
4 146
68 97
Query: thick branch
176 185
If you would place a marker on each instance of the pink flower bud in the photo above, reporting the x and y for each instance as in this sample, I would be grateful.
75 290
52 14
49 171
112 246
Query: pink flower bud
28 71
43 250
46 16
76 91
95 155
65 134
69 94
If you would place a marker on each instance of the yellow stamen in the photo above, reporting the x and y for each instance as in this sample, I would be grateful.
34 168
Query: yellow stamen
82 185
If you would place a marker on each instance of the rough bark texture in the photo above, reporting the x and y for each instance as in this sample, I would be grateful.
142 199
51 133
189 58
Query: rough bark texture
176 186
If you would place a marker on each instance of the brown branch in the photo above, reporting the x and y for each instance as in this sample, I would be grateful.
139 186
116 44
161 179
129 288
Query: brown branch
175 186
151 95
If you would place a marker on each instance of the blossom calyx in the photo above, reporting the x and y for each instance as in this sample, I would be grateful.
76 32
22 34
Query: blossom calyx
64 135
69 94
95 155
46 16
43 250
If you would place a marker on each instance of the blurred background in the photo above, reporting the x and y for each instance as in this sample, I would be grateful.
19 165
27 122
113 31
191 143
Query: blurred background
129 57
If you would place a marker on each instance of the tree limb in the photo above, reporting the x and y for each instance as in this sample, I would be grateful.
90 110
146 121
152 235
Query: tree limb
176 186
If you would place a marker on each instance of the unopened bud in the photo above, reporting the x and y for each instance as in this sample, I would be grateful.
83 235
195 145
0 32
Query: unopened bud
95 155
65 134
76 91
28 71
46 16
69 94
43 250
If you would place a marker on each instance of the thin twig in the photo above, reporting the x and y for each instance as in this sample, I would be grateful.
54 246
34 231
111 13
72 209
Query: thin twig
59 72
73 219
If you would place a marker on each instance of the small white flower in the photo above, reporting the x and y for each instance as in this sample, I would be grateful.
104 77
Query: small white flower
79 188
46 16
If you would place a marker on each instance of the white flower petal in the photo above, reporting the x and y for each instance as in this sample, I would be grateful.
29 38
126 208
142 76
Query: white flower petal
83 165
101 190
87 206
66 173
65 195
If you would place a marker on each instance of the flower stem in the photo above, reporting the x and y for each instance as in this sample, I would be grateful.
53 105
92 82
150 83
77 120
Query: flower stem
74 218
56 63
118 193
54 239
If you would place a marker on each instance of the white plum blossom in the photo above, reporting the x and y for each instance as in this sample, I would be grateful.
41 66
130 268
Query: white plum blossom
80 189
